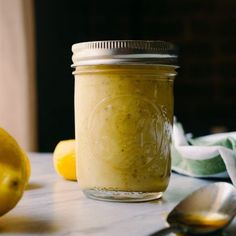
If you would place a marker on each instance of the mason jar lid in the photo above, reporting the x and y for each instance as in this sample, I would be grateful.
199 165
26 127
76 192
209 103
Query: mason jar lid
124 52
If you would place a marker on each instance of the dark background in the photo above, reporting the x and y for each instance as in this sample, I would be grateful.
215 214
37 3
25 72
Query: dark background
205 31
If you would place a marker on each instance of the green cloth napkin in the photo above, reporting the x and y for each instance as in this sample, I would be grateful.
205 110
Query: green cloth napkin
211 156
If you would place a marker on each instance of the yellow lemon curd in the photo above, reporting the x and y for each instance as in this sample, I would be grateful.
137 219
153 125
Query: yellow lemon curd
123 119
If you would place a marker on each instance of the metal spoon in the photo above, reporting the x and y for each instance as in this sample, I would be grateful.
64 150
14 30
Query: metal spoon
208 210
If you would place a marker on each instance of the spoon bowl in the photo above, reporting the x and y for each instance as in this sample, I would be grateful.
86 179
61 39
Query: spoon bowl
207 210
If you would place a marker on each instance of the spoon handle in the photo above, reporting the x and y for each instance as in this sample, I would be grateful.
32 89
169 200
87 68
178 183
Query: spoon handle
165 231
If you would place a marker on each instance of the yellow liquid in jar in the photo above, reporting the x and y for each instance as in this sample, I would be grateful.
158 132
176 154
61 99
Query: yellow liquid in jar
123 119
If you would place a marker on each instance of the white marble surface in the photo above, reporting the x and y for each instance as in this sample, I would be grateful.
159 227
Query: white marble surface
53 206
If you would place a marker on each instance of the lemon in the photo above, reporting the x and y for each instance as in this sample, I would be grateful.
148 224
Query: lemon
14 172
64 159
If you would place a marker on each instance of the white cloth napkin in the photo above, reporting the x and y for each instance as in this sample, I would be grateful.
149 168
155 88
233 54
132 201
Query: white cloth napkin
211 156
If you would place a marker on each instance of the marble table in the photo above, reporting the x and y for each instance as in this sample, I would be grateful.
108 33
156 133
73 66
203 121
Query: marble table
54 206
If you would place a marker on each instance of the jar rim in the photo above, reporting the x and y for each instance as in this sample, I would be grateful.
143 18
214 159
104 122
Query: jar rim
124 52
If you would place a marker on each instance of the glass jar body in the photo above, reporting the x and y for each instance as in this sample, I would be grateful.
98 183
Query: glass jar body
123 122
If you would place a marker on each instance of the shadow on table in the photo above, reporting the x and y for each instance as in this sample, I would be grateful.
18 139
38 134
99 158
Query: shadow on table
33 186
26 225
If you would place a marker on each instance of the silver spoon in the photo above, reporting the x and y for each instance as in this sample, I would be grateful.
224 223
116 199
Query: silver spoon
208 210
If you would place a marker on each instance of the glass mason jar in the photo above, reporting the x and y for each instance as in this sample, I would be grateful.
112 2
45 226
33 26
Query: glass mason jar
123 118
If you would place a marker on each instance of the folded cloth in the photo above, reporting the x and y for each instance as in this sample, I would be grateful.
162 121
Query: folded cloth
211 156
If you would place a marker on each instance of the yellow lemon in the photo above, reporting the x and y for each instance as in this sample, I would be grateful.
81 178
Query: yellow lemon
27 167
14 172
64 159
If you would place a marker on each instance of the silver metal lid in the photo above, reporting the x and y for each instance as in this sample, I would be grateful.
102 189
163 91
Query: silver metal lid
124 52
